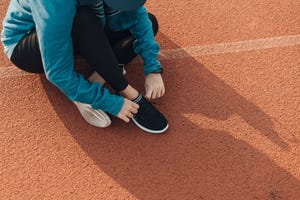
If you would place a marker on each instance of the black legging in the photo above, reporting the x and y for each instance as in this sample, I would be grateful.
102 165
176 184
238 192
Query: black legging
102 49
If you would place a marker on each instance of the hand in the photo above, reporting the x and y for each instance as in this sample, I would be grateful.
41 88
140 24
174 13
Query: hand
128 109
154 86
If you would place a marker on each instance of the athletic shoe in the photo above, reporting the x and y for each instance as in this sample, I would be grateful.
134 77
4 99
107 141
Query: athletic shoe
148 117
94 117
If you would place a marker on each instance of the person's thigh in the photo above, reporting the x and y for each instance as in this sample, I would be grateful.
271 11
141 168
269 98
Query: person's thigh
26 54
91 40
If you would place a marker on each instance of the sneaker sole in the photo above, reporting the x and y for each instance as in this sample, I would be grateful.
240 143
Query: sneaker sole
149 130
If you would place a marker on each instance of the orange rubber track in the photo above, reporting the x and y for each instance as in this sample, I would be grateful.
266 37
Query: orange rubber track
232 73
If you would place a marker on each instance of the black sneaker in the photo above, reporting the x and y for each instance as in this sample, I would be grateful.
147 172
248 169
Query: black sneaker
148 117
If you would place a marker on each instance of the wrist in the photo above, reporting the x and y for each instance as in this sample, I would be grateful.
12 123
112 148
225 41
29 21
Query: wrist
157 71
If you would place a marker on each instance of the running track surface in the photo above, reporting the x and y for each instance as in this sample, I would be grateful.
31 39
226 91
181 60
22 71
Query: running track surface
232 77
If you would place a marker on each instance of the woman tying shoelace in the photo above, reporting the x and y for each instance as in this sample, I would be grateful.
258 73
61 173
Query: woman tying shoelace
42 36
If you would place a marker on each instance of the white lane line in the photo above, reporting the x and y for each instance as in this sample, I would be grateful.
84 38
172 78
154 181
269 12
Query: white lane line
196 51
233 47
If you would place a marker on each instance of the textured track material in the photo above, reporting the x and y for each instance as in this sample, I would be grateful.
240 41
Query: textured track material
232 73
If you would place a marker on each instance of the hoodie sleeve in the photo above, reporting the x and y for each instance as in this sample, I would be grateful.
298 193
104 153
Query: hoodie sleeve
145 45
53 21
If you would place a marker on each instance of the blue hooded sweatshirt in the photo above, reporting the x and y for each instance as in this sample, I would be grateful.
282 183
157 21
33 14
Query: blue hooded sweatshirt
53 20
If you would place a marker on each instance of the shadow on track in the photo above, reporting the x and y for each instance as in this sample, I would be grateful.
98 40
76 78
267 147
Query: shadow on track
188 162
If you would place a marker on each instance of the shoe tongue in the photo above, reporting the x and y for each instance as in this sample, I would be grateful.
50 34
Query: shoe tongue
138 99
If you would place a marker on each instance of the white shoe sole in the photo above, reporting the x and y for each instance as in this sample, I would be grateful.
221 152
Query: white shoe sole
149 130
94 117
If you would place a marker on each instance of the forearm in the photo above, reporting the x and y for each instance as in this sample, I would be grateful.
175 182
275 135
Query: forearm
145 44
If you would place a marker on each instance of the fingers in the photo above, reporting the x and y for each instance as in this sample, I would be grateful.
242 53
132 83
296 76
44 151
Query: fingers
125 119
134 110
128 110
135 105
148 94
154 86
155 93
162 92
